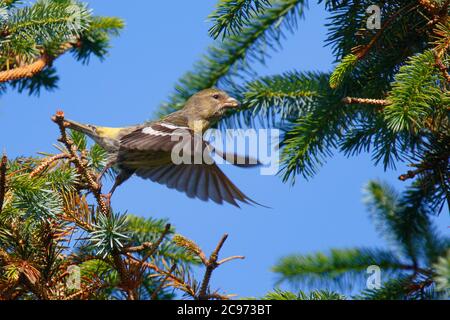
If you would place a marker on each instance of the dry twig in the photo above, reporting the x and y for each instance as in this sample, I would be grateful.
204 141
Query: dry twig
211 265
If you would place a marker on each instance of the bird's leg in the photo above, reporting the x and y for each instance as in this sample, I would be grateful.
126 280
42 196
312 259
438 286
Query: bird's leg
120 178
108 166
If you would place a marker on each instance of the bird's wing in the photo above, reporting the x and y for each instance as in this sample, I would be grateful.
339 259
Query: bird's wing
163 137
156 136
146 151
237 160
203 181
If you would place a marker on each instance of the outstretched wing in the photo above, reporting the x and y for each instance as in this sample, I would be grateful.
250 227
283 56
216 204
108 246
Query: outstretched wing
147 152
202 181
157 136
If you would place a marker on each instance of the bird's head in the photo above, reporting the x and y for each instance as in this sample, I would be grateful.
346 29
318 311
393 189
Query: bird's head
210 104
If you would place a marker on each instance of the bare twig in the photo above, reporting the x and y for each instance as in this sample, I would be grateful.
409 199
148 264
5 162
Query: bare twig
211 265
80 165
3 164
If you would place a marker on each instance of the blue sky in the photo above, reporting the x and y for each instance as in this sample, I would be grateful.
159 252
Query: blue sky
161 41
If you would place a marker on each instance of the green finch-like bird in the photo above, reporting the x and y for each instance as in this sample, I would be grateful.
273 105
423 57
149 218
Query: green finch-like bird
146 149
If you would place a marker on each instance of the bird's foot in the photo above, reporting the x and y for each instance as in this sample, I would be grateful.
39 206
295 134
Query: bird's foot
107 199
99 182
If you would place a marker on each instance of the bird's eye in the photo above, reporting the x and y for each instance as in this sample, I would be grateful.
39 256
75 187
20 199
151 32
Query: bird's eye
216 96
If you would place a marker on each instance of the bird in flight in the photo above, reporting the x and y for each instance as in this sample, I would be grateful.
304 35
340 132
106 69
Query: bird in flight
146 150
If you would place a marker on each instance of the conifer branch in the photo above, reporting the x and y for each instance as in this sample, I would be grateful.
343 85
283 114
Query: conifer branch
231 15
26 71
362 51
30 70
235 53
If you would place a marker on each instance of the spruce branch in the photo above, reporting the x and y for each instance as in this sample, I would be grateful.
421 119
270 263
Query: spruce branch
32 36
32 69
279 294
135 248
336 266
230 16
441 38
414 94
344 68
359 52
225 60
288 95
27 71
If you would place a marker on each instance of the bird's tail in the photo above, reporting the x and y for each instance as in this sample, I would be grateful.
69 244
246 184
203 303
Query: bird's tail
106 137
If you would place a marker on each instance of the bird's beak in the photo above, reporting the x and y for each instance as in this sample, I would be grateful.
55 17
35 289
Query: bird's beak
231 103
